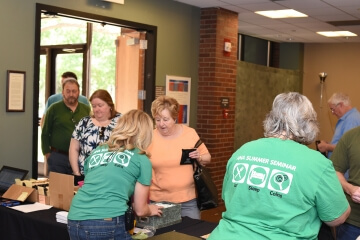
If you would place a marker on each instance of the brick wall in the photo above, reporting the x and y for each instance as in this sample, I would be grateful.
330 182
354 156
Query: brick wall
217 79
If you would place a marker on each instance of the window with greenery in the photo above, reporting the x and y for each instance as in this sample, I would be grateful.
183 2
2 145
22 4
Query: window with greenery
62 31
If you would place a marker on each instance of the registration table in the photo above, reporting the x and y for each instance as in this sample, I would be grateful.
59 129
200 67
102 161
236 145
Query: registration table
42 225
39 225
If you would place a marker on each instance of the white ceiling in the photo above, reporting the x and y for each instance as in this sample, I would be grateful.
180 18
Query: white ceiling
303 30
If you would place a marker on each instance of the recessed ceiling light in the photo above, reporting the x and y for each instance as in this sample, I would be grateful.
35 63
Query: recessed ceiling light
286 13
337 34
114 1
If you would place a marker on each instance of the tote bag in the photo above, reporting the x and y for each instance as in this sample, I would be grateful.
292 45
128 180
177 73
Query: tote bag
207 194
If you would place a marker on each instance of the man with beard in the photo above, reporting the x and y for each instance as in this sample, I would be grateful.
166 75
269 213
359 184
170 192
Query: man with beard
58 96
59 123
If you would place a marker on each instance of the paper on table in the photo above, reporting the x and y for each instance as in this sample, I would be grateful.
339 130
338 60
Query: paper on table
164 205
206 236
62 217
31 207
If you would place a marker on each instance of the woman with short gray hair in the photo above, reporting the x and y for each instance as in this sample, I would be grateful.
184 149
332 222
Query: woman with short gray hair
292 117
278 188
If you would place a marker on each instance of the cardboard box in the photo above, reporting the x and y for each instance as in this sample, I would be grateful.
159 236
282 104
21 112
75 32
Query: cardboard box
59 192
171 215
21 193
61 189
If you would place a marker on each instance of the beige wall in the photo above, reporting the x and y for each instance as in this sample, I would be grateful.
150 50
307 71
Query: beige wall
342 64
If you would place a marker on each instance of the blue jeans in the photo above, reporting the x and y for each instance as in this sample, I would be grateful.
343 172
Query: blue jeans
190 209
347 231
100 229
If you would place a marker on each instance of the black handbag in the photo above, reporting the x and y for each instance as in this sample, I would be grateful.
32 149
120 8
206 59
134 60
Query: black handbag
207 194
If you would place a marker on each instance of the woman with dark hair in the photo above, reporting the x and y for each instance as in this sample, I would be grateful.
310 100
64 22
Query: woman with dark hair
278 188
114 172
92 130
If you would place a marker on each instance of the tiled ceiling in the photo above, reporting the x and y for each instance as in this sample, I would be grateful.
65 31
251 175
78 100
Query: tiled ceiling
323 15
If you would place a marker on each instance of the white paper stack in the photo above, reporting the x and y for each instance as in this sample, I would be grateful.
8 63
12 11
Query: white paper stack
61 217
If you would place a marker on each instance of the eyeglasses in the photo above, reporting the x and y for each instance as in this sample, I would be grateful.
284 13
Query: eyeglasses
101 133
333 109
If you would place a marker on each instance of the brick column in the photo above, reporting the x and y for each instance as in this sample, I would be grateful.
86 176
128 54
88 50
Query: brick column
217 79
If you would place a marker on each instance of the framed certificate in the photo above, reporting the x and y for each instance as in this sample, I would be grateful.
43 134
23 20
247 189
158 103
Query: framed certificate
15 91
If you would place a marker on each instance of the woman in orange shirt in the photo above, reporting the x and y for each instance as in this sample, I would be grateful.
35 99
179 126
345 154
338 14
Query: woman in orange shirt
171 181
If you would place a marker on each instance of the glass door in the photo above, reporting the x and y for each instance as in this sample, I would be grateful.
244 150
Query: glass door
55 62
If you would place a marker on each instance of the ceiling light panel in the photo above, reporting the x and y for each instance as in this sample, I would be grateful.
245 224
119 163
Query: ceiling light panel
285 13
337 34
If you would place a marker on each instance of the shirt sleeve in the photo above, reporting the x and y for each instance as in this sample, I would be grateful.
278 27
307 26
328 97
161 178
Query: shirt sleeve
45 132
203 149
339 157
145 171
195 137
330 199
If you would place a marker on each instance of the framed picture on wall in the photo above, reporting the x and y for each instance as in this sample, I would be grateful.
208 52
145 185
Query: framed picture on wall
179 88
15 91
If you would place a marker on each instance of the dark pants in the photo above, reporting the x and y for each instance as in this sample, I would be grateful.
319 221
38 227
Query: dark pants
325 233
59 162
347 231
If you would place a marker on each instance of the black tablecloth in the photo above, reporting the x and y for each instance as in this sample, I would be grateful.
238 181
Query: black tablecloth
189 226
42 225
39 225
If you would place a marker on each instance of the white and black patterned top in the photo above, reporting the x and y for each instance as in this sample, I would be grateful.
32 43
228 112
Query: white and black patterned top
90 136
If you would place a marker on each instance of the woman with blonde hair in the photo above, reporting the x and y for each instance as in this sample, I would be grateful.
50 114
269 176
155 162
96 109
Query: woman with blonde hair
115 171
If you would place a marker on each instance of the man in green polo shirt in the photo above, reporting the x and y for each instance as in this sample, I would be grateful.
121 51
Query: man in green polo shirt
59 123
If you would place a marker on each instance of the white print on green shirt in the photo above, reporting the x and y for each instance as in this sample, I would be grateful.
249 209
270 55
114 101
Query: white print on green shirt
259 177
118 158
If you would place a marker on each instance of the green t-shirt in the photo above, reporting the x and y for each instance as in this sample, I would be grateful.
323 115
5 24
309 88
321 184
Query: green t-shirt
278 189
110 179
59 124
346 156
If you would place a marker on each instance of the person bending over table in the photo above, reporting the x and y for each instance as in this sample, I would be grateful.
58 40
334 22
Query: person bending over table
172 182
115 171
278 188
92 130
